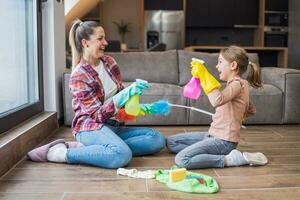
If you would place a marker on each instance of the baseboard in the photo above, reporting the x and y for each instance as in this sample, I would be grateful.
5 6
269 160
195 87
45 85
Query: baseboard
15 143
61 121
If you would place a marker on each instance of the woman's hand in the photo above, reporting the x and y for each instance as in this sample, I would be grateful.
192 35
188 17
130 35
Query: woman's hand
207 80
135 88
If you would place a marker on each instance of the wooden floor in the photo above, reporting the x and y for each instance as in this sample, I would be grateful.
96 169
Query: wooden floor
280 179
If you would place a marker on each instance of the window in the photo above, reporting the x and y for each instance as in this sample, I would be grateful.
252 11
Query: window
21 88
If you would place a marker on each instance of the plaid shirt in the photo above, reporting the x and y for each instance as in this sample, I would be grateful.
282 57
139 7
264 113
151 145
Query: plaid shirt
88 95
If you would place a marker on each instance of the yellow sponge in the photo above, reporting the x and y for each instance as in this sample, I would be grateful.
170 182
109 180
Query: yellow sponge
177 174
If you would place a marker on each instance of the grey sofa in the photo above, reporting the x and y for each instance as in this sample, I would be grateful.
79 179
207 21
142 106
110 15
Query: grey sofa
168 72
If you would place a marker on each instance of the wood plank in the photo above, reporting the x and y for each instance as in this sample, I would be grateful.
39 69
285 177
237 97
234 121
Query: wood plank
259 170
63 174
284 160
31 196
273 138
27 164
159 162
258 182
272 151
20 186
268 145
163 195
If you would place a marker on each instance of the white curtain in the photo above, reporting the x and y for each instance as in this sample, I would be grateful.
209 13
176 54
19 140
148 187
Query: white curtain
18 57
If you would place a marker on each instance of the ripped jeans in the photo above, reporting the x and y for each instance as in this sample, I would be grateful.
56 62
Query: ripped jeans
114 146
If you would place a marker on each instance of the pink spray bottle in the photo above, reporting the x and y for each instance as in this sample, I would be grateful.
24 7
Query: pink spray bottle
192 89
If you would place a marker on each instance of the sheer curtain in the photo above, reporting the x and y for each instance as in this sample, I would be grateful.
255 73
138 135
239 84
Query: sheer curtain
18 55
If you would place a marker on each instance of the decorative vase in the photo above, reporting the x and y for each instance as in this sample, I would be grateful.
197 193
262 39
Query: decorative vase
123 46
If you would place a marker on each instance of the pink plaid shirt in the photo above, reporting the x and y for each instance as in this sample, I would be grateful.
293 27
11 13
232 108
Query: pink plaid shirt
88 95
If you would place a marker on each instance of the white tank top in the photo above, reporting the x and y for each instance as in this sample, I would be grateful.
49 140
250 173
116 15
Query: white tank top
110 87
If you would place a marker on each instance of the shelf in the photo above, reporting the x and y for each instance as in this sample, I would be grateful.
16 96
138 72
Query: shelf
274 55
276 12
133 50
244 26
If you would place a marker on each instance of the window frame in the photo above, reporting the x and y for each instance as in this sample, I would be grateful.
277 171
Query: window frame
15 118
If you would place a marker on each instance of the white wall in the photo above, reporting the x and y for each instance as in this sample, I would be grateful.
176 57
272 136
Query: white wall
115 10
53 54
69 4
294 32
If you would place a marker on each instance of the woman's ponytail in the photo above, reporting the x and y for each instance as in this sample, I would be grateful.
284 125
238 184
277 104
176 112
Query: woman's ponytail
79 31
75 48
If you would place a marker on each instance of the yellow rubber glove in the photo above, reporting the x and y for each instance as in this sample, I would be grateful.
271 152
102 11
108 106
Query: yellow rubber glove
208 82
141 113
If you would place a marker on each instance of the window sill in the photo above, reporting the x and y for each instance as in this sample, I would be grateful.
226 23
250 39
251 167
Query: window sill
15 143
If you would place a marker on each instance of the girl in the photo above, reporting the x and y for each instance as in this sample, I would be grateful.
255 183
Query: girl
97 95
217 147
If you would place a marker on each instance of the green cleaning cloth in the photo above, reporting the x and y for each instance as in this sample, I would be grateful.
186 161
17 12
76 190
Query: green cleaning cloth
193 183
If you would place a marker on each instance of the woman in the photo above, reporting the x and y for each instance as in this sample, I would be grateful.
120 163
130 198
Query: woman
97 95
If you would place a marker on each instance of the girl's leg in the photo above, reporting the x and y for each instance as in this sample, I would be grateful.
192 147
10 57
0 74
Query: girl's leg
103 148
204 154
141 141
178 142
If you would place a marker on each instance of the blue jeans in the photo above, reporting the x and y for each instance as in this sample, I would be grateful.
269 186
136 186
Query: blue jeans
114 146
197 150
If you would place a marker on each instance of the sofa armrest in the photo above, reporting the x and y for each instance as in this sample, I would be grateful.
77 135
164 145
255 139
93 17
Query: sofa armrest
67 100
288 80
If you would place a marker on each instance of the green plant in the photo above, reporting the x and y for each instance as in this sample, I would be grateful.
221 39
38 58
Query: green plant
123 29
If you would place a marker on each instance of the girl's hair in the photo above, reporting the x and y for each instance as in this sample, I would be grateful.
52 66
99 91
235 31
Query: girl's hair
239 55
80 30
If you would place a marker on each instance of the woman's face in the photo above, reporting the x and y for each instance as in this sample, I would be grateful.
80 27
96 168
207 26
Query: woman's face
224 68
95 46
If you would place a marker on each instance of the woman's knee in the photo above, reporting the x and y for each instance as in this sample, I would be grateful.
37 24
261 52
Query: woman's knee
157 140
120 158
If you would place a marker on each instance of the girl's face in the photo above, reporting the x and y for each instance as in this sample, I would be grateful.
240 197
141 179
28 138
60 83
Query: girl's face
226 69
95 46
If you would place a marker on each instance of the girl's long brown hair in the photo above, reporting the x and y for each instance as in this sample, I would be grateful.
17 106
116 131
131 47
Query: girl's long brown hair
239 55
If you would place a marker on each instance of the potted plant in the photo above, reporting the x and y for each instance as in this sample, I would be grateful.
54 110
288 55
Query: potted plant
123 29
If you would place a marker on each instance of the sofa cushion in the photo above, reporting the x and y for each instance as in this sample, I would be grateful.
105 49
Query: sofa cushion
211 60
269 105
157 67
171 93
288 80
67 100
197 117
268 102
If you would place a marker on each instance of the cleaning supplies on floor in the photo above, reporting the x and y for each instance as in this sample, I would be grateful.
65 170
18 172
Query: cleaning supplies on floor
134 173
178 179
192 183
